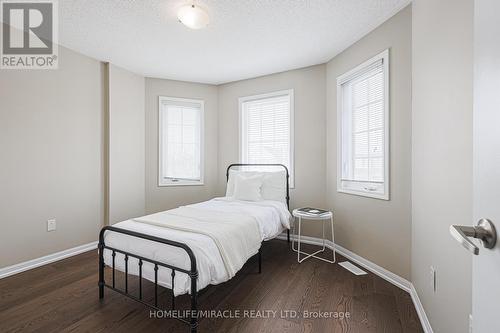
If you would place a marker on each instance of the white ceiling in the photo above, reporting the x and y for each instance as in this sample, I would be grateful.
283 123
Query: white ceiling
245 38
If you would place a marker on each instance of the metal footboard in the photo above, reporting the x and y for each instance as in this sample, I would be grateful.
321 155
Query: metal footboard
192 273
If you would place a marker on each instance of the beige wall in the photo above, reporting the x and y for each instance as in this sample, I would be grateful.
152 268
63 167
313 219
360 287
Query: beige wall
377 230
71 161
442 157
51 157
126 181
166 197
309 93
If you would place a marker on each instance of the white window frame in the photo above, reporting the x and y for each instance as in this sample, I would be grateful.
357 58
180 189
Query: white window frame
365 189
290 93
162 181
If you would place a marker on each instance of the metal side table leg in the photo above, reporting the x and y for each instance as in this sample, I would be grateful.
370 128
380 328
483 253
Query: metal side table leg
298 241
333 240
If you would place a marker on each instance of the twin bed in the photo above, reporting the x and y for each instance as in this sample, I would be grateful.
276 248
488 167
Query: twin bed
190 247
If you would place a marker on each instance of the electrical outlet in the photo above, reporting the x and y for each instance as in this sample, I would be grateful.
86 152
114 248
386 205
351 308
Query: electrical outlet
433 278
470 323
51 225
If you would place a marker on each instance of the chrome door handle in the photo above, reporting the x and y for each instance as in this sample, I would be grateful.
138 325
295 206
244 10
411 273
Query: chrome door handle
484 231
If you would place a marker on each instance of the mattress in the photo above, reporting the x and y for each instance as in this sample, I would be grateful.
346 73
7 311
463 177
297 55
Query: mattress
272 218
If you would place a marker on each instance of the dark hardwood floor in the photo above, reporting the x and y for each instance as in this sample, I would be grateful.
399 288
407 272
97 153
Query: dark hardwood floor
63 297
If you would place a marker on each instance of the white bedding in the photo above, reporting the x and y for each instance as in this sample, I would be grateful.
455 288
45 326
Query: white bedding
272 218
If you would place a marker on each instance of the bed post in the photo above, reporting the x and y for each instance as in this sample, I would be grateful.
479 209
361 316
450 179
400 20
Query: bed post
194 308
260 260
101 264
288 235
193 274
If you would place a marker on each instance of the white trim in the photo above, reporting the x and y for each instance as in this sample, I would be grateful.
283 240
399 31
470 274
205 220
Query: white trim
395 279
290 93
389 276
201 103
426 325
372 267
34 263
365 66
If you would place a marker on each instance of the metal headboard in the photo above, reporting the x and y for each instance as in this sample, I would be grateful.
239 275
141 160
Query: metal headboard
266 165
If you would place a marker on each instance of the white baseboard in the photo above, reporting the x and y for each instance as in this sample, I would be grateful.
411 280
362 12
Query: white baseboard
426 325
389 276
27 265
374 268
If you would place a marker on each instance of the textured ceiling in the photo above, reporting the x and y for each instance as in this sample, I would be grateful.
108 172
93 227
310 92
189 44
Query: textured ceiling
244 39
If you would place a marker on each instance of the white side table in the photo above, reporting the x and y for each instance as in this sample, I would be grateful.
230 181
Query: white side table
299 215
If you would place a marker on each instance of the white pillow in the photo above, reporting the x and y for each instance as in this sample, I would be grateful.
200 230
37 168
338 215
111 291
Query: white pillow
274 186
248 188
273 183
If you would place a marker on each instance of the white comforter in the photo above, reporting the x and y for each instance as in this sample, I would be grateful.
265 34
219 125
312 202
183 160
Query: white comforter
272 218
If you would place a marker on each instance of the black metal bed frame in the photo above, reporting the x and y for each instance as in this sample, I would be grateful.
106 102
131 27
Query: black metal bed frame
192 272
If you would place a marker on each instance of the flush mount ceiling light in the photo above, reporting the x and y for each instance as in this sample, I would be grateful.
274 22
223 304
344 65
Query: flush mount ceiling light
193 17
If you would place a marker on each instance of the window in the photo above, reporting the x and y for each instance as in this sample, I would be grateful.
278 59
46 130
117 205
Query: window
266 129
180 141
363 129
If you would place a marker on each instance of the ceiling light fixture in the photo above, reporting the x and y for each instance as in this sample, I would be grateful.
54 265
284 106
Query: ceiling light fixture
193 17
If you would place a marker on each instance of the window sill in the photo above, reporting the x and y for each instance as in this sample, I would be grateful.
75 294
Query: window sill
172 184
380 196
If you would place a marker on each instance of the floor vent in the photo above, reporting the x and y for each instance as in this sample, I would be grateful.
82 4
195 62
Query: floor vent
351 268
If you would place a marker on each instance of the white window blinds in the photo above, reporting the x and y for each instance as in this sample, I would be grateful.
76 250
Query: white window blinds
180 141
363 128
368 127
266 129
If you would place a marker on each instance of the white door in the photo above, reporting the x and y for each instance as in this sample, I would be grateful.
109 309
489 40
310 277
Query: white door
486 265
